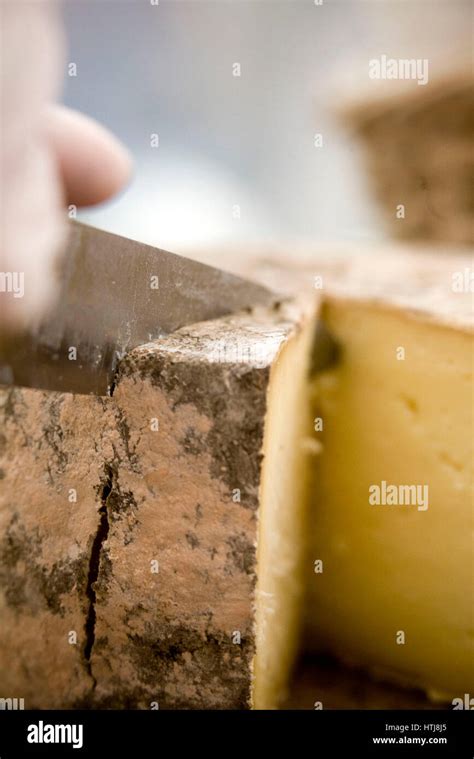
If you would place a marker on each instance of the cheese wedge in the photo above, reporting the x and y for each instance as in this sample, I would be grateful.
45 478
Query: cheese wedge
129 526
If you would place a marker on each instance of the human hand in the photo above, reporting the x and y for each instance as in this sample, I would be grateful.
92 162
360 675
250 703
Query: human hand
50 157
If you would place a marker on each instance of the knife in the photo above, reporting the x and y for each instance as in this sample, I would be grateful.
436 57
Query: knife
114 294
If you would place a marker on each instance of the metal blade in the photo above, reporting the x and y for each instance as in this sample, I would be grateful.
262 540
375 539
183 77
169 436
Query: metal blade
115 294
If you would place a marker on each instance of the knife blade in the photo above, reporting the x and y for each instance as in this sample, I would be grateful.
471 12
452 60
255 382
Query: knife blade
114 294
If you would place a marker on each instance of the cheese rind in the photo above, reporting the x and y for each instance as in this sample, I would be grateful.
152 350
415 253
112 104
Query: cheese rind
52 449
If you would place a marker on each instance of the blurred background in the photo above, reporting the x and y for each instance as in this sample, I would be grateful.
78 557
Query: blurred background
223 159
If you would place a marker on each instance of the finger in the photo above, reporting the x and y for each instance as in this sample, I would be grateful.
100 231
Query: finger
93 164
32 218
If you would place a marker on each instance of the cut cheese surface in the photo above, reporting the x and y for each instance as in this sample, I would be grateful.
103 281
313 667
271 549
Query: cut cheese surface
392 498
283 520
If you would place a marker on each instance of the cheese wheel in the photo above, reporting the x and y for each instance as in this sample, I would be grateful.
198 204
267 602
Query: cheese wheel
169 546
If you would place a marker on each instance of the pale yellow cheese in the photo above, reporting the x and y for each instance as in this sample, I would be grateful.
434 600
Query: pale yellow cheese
395 593
283 520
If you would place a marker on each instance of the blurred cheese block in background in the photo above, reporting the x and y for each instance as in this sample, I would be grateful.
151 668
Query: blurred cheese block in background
418 146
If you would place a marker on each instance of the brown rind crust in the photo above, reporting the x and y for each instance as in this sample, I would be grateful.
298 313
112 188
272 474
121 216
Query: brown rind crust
49 444
184 495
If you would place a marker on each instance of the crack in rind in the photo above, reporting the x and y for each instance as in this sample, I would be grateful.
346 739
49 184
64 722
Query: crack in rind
94 566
